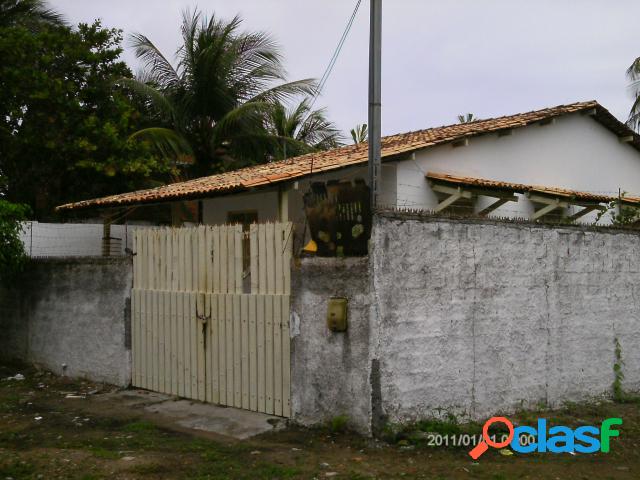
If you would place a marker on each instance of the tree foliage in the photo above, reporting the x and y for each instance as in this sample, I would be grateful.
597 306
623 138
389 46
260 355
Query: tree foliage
64 128
212 106
468 118
32 14
12 254
633 74
301 130
360 133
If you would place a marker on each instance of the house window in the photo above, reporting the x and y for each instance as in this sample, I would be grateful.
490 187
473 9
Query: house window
245 218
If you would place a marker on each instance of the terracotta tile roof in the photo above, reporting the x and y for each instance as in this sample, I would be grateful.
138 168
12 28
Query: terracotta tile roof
518 187
392 146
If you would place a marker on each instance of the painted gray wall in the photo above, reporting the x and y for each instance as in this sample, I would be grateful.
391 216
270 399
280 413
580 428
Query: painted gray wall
479 317
73 312
328 369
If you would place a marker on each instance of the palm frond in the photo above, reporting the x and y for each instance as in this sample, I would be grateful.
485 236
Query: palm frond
156 99
158 68
286 91
28 13
169 143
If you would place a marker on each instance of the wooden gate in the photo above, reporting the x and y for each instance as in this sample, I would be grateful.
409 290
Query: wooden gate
211 314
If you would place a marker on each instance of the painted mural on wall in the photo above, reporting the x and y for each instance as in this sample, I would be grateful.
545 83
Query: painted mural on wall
339 217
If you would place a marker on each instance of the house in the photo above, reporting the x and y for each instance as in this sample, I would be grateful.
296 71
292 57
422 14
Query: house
445 315
565 162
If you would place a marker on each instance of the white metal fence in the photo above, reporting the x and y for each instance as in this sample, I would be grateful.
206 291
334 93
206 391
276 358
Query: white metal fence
74 239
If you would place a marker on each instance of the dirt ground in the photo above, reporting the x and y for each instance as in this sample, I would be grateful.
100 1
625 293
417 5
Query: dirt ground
52 427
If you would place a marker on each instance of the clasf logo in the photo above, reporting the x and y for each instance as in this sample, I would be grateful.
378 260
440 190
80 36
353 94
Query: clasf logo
556 439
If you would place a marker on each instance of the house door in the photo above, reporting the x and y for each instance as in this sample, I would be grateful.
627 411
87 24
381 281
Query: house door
208 323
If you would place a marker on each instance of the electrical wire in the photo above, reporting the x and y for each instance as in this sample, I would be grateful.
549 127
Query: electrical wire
334 57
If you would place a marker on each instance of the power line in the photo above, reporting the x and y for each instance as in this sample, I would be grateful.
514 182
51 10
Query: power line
336 54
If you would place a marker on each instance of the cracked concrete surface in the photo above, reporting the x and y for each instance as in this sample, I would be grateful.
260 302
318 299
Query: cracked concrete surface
193 415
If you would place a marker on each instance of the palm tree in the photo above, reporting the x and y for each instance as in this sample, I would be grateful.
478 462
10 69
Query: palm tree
211 107
633 74
360 134
28 13
468 118
301 130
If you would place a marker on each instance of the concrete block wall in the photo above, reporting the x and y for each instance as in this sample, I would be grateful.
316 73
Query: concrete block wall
329 370
480 317
72 312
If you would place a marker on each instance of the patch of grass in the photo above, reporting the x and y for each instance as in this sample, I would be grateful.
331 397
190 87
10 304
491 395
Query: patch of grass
9 402
101 452
148 469
339 424
17 469
140 426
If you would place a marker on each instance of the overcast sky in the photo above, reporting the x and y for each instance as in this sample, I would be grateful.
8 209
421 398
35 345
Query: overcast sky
440 58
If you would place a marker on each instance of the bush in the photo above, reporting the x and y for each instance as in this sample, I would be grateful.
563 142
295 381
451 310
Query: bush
12 254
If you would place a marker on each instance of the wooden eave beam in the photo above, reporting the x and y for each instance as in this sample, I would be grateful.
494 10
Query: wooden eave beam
497 204
550 207
585 209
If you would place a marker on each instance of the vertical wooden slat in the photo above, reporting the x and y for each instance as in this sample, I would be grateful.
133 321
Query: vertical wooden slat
271 257
261 356
222 351
201 325
180 344
181 262
268 334
288 249
215 232
136 259
149 340
208 349
166 371
237 353
160 355
238 262
208 258
279 277
224 254
253 355
231 259
189 263
253 249
244 334
142 356
193 346
229 347
277 355
175 260
174 342
135 339
214 371
286 356
195 263
262 258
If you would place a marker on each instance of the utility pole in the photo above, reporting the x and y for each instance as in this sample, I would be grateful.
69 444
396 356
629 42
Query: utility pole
375 101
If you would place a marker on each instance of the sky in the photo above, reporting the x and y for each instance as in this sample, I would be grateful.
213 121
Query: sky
439 59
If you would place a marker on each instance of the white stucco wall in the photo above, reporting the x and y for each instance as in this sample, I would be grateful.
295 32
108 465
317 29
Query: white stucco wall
575 152
477 318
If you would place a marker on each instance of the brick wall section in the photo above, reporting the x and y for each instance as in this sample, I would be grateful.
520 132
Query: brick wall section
482 317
